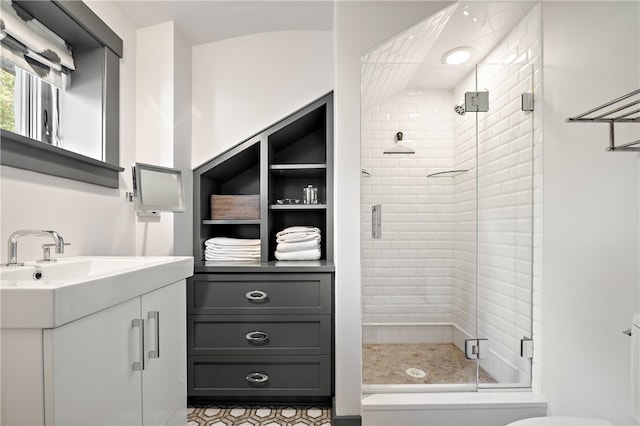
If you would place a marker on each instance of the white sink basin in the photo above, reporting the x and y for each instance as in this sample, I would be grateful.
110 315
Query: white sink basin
44 295
71 270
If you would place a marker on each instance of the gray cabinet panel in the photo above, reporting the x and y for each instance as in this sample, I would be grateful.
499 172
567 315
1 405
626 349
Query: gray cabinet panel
259 335
259 294
272 376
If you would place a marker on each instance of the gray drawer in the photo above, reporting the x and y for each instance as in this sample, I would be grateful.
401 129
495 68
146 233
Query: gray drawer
255 376
259 334
259 294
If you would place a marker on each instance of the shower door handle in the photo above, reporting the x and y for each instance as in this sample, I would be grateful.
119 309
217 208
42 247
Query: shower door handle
376 221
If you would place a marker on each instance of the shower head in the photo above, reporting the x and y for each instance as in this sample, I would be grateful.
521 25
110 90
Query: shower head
399 147
459 109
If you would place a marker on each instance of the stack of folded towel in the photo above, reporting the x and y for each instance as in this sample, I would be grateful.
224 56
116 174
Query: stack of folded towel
223 248
298 243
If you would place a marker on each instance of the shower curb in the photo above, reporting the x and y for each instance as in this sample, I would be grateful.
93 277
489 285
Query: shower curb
460 408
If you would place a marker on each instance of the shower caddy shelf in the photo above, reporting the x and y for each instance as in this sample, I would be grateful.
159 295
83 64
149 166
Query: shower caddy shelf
448 173
621 112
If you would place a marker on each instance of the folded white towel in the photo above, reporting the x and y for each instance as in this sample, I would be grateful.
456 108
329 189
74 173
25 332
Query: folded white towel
299 255
239 249
231 259
299 237
298 229
256 261
232 255
226 241
218 256
298 246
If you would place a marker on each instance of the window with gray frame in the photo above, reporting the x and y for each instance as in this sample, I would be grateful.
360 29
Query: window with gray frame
60 91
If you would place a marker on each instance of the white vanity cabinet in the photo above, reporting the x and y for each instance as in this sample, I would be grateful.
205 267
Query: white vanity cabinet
94 341
124 365
164 384
88 377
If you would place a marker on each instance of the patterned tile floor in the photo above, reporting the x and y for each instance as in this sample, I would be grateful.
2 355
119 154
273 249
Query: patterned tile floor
440 363
248 415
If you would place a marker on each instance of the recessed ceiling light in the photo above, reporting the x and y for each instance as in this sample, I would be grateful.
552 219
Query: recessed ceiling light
459 55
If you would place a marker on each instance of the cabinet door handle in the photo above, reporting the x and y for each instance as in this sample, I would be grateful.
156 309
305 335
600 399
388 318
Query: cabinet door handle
257 337
155 315
139 365
257 378
256 296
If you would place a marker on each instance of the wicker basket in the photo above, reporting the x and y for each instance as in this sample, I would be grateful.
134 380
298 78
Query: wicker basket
235 207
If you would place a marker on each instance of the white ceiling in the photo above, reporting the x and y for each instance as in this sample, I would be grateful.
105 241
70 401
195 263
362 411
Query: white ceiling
206 21
413 57
481 25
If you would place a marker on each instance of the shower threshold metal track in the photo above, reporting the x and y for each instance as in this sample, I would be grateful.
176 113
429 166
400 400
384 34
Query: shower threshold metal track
624 109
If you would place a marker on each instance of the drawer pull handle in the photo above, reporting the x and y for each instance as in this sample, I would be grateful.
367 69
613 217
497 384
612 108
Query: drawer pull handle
257 378
256 296
257 337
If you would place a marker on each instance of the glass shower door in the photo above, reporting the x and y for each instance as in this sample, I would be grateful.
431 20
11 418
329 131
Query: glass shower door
505 193
447 276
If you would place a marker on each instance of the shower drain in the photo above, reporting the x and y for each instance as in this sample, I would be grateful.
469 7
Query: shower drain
416 372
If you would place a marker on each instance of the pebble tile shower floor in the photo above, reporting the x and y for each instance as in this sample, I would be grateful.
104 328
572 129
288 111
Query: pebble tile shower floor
248 415
443 364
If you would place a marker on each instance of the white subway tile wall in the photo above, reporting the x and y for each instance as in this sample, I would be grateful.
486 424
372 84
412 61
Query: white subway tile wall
423 269
406 273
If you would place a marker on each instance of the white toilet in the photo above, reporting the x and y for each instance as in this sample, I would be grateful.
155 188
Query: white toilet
582 421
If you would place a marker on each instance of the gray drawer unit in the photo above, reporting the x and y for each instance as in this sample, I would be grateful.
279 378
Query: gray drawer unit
259 294
259 334
268 376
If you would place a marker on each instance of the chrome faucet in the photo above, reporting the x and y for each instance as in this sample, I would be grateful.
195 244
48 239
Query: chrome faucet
13 243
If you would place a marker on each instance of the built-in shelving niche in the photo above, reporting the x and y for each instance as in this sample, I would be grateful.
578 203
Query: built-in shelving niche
277 163
235 172
297 157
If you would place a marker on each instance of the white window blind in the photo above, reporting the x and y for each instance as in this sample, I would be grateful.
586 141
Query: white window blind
31 46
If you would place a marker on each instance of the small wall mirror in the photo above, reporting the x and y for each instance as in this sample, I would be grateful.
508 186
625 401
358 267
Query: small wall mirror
157 188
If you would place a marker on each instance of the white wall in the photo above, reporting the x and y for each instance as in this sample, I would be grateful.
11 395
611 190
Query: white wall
243 85
591 244
94 219
163 130
154 125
